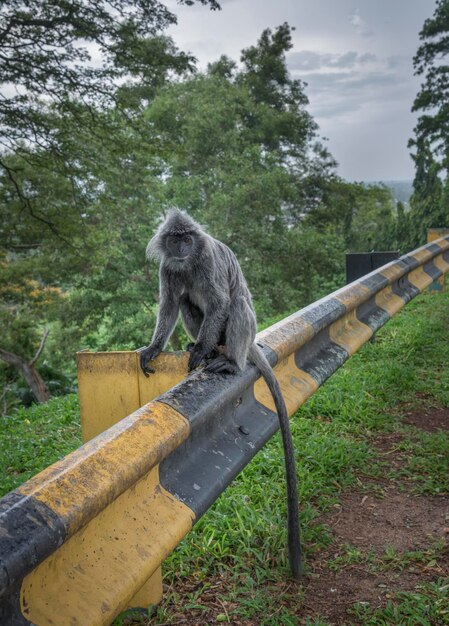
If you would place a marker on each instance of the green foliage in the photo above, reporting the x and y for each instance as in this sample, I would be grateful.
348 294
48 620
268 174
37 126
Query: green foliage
427 606
433 100
364 216
429 207
46 53
31 439
76 217
234 146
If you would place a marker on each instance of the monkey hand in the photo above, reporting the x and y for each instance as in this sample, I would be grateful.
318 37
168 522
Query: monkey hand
197 355
146 355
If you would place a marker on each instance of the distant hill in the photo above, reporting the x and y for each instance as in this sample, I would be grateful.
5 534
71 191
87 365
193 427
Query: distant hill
400 189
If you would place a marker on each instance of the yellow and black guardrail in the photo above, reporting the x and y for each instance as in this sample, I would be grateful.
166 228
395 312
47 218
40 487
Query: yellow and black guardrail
84 539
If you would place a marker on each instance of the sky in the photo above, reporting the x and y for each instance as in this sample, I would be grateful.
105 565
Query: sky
356 57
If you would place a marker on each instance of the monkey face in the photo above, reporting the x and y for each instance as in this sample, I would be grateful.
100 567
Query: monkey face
179 246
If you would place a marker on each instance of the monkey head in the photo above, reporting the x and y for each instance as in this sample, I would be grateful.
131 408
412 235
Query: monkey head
176 239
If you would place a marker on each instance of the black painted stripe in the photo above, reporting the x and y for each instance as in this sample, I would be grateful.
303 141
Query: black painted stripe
410 261
432 270
434 248
372 315
228 427
30 531
203 393
374 282
323 313
404 288
320 357
10 612
216 452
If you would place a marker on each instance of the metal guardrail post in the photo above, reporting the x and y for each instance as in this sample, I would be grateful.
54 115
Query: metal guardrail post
80 539
432 235
111 386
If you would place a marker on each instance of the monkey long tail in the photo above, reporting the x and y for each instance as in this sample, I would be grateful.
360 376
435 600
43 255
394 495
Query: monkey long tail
257 357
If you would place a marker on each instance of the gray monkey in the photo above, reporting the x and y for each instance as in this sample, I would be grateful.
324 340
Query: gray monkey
201 277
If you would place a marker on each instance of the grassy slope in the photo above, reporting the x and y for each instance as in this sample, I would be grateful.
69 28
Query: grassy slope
31 439
243 536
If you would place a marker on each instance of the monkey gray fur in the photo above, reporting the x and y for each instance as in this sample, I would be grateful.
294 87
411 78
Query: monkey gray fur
201 277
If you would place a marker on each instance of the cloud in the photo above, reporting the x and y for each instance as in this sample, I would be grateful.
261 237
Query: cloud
308 60
360 26
343 87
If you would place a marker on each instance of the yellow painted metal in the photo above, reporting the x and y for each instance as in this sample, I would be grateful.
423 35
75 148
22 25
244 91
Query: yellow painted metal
108 389
84 482
286 336
393 272
421 255
150 593
122 523
432 235
95 574
111 386
389 301
349 333
170 369
436 233
419 278
353 295
441 265
296 386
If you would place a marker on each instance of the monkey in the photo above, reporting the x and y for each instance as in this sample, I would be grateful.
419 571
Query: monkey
200 277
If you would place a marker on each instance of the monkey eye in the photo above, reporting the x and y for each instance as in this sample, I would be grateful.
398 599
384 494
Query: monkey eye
188 239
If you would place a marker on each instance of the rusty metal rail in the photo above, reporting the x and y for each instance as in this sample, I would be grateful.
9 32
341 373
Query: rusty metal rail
82 538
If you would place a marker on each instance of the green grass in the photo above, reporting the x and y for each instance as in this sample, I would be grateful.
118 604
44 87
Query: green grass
31 439
427 462
428 606
391 559
242 538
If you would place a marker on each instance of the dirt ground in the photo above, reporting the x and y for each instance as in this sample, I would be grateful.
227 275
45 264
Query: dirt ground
379 514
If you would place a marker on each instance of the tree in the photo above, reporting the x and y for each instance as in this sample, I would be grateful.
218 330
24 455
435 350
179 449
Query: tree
402 228
364 216
60 126
431 142
84 64
238 148
426 210
46 53
432 101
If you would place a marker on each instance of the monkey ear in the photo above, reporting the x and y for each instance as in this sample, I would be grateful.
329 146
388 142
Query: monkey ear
154 248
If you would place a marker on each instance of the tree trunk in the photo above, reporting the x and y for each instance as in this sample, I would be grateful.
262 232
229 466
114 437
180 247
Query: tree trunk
29 372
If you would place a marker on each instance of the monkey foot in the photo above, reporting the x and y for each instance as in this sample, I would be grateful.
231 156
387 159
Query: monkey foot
222 365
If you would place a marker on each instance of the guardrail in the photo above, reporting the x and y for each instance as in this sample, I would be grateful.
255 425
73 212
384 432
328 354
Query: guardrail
79 540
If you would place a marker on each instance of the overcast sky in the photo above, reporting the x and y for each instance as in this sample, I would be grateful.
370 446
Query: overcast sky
355 55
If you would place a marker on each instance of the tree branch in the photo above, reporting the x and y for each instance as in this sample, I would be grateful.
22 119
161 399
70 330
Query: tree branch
41 347
34 380
27 205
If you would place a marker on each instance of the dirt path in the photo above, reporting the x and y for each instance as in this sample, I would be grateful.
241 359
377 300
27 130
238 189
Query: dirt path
384 537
